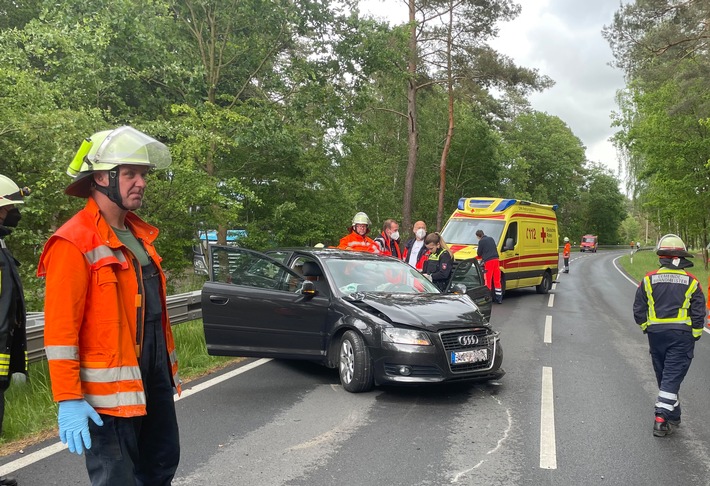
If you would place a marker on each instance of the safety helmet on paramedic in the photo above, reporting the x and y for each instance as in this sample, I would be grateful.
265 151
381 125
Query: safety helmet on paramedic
566 239
109 149
671 245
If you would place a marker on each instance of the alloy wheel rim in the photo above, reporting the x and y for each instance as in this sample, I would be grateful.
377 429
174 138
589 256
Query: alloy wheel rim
347 361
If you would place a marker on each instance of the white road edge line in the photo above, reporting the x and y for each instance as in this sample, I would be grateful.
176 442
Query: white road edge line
219 379
551 301
548 450
548 330
37 456
636 284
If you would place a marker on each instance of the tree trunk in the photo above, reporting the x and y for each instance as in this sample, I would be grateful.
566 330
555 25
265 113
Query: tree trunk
450 131
412 139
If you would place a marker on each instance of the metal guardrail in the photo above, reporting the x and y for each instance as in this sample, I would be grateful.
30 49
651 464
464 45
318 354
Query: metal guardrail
181 308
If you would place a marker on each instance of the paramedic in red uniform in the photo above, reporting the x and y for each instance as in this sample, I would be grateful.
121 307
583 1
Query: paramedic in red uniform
388 240
488 252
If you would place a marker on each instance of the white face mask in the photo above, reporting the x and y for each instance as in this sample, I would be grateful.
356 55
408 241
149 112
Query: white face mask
394 235
421 233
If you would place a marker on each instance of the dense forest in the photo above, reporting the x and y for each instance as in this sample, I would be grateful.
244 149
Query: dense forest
664 112
285 118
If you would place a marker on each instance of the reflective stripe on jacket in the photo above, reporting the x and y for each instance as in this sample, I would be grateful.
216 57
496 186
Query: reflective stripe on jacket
671 298
94 311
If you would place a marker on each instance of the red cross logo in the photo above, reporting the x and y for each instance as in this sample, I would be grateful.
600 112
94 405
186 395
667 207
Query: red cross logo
543 234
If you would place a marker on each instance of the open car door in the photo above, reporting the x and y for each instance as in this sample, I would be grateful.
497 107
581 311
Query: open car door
469 273
253 306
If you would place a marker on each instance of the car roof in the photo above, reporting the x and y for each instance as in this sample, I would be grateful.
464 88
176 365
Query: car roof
329 253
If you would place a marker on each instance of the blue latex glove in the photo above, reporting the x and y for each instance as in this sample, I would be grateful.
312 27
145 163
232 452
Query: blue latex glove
73 421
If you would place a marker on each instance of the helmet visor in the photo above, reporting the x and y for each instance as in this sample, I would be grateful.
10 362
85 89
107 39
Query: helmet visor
126 145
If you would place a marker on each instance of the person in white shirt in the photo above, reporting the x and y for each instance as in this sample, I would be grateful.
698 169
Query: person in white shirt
415 252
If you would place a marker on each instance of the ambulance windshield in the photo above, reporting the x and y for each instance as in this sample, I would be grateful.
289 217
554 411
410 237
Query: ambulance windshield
462 231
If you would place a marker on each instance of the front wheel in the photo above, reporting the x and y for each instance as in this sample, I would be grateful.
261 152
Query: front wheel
545 285
354 364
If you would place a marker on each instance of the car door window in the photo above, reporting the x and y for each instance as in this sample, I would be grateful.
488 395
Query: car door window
467 272
249 268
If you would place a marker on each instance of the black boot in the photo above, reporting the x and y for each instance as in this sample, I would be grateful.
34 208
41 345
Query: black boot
661 427
8 481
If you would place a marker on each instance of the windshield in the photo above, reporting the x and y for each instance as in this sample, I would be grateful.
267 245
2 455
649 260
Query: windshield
588 240
385 275
462 231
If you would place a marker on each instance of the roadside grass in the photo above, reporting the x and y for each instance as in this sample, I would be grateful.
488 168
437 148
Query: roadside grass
31 414
646 261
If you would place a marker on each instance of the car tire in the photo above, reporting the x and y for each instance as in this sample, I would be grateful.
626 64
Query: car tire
354 364
545 285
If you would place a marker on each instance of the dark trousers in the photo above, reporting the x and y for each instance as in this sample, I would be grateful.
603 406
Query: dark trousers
140 451
4 385
671 355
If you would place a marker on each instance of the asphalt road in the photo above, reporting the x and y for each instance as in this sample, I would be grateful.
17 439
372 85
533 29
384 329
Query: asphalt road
575 408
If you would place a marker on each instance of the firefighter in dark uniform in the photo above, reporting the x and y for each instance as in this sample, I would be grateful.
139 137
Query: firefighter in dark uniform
670 308
13 320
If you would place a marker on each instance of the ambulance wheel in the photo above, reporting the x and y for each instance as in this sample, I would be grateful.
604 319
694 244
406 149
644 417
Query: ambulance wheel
545 285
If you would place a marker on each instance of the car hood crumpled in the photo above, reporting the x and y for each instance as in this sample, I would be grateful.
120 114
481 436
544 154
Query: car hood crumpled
433 312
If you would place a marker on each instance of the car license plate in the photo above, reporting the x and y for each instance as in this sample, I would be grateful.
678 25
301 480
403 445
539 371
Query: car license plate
473 356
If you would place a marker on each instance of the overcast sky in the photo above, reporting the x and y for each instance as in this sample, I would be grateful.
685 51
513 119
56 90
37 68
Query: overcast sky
561 39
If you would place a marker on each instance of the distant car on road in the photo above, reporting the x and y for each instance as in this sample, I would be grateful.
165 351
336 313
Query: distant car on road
588 243
376 319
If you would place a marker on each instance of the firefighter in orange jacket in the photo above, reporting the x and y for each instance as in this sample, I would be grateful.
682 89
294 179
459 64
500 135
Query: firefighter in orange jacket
107 335
565 254
357 239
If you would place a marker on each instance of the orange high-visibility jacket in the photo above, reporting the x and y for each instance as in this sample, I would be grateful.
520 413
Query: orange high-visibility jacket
353 241
566 250
93 311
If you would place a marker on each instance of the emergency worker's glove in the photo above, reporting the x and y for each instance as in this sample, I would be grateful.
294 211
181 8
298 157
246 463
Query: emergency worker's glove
73 421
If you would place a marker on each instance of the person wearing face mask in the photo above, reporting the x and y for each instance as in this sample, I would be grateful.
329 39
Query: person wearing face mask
357 239
438 266
415 251
388 241
13 319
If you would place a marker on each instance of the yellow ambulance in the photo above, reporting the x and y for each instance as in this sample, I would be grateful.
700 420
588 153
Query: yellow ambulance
525 232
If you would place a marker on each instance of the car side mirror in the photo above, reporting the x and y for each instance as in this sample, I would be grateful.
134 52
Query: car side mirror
308 288
458 288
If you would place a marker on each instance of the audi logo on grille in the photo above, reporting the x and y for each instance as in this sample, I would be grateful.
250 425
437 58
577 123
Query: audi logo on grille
468 340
